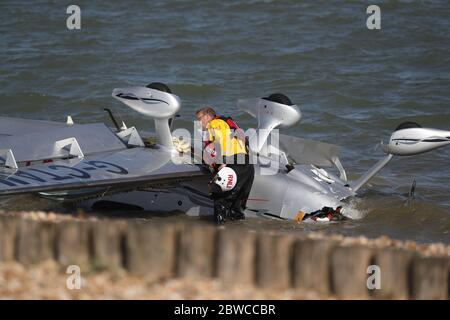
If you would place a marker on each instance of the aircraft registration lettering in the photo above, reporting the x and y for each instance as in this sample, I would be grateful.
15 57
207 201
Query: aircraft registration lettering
48 174
82 174
29 176
102 165
12 182
54 176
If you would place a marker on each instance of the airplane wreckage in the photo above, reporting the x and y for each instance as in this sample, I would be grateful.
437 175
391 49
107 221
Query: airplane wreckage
112 168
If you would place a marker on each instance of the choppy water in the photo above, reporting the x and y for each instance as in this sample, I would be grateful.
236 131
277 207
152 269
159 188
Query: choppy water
353 85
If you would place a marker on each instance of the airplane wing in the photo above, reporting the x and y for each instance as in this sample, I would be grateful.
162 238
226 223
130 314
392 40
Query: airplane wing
14 126
129 168
40 156
92 138
305 151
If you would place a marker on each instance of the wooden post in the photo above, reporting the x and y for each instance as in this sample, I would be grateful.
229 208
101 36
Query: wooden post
8 233
349 271
236 257
273 261
73 243
36 241
394 268
429 278
150 249
107 244
312 265
197 248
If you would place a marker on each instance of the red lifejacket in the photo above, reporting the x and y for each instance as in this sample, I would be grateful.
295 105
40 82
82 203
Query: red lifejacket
233 125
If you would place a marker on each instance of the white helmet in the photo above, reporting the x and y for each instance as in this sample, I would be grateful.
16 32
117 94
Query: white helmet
226 179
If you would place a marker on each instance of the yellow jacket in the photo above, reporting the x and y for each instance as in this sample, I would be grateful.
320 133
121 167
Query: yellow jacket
220 134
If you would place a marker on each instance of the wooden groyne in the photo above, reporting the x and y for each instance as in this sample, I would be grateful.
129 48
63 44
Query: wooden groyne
334 266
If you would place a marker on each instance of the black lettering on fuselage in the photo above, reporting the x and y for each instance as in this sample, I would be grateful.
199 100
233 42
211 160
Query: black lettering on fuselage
82 174
12 182
104 165
6 182
28 175
54 176
45 175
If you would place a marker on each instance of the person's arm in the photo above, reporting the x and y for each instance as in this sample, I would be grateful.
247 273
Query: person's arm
212 127
214 130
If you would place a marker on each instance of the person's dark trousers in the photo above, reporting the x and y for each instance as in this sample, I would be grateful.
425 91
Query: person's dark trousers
230 205
245 174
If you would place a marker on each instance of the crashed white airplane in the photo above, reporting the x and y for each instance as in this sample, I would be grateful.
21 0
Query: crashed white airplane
104 168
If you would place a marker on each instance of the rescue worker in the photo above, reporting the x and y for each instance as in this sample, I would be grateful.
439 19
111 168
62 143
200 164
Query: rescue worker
225 143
